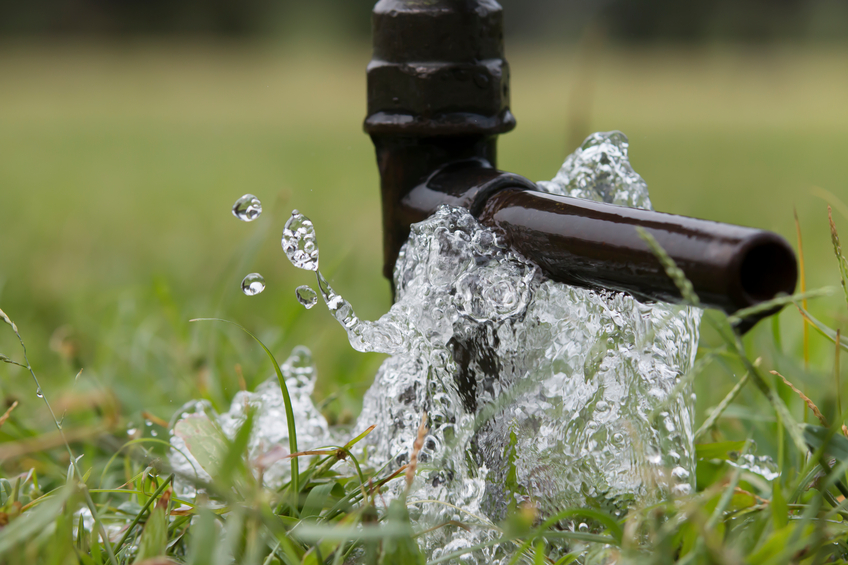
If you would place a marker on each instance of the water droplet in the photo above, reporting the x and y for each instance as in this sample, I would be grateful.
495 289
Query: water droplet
253 284
148 423
154 433
583 527
306 296
299 242
38 393
131 431
247 208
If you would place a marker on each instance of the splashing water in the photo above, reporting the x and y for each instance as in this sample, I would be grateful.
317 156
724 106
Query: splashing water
536 392
247 208
253 284
270 432
600 170
762 465
306 296
299 242
385 335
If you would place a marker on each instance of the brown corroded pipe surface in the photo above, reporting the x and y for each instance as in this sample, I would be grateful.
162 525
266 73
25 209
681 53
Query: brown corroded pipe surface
597 245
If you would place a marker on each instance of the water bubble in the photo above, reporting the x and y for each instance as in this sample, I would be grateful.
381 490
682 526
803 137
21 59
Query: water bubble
680 474
247 208
38 393
299 368
681 489
306 296
253 284
299 242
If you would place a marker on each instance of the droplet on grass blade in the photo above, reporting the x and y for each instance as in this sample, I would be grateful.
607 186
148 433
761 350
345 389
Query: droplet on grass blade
253 284
247 208
306 296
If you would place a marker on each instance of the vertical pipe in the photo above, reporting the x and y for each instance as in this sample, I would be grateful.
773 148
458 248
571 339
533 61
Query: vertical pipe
438 92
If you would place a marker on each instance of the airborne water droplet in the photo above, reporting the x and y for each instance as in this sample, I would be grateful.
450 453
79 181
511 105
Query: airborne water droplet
38 393
247 208
299 242
306 296
253 284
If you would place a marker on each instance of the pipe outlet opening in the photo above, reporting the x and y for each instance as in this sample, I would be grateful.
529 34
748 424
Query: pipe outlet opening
768 269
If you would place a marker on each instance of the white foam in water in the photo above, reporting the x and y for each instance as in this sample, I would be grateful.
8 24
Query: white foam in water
536 392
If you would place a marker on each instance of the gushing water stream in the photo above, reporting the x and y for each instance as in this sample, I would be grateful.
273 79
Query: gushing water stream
536 393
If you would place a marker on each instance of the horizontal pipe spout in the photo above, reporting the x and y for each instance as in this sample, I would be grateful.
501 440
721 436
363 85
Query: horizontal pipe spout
595 244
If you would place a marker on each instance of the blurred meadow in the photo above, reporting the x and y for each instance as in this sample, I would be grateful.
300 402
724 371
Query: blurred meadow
120 161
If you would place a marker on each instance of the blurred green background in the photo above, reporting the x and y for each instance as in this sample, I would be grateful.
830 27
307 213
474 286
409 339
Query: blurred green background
127 133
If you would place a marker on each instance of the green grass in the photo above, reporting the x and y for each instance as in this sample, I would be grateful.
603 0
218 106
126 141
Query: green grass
118 166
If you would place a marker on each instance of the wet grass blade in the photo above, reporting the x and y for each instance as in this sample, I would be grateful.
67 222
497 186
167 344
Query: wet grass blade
831 199
802 282
828 442
740 315
840 258
18 532
675 273
295 487
722 406
823 329
835 445
155 496
73 460
837 381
